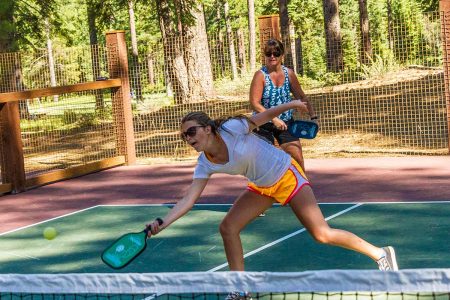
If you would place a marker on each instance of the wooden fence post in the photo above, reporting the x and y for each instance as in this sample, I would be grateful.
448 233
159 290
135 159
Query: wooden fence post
444 9
13 167
269 27
121 100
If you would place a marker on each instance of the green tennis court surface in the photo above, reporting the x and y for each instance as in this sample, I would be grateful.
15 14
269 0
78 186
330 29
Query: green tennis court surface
276 242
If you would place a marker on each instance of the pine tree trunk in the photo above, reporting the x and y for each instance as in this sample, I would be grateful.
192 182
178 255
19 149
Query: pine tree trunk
197 58
390 25
230 42
135 64
51 61
95 55
285 33
150 69
299 55
252 33
335 61
366 51
241 51
177 77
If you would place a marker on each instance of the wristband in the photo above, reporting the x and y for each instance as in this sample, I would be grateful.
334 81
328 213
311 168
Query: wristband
160 221
314 117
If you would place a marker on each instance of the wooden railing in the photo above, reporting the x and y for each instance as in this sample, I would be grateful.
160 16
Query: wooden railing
14 178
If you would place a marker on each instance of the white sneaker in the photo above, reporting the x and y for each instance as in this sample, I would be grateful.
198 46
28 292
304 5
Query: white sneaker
389 261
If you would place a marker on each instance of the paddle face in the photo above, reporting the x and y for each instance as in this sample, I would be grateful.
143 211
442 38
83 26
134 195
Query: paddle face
125 249
303 129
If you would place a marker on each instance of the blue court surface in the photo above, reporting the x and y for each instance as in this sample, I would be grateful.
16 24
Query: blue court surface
277 242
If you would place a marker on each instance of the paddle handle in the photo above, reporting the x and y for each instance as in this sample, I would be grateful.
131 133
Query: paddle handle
160 222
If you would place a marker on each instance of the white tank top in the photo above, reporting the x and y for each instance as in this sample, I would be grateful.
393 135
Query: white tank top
248 155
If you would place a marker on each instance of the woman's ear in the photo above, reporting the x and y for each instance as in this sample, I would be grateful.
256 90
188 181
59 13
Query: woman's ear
208 129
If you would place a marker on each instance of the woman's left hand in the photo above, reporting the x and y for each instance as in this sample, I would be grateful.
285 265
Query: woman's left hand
300 106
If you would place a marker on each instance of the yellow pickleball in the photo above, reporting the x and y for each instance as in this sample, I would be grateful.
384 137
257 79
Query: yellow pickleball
50 233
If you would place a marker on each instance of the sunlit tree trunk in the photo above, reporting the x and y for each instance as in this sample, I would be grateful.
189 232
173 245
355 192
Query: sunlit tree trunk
197 58
241 51
390 25
95 55
51 61
299 55
150 69
177 77
252 33
230 41
220 43
136 67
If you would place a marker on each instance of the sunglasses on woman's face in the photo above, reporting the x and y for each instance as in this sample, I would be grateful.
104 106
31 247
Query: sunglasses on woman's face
274 53
190 132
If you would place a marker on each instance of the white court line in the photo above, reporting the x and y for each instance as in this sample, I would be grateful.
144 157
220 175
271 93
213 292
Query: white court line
48 220
218 204
20 256
278 204
285 238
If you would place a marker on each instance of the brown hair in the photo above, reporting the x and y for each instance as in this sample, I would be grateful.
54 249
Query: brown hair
274 45
203 119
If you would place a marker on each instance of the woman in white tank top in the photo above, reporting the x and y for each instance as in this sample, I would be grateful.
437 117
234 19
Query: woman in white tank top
228 146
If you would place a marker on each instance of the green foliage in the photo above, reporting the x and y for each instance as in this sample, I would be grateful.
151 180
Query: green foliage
330 78
378 67
415 39
69 117
22 22
429 5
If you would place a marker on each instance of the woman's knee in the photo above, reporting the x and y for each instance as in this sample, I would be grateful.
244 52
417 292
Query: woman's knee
322 235
227 228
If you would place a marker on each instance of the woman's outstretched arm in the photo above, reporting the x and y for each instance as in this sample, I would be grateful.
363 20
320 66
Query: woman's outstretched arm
182 206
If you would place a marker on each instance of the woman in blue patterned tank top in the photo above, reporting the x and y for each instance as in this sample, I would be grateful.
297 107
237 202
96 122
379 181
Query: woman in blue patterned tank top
271 86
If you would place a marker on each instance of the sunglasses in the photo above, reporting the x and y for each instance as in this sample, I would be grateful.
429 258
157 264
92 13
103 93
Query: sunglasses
190 132
274 53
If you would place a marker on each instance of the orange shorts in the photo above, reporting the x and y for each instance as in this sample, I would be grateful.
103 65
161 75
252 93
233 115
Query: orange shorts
286 188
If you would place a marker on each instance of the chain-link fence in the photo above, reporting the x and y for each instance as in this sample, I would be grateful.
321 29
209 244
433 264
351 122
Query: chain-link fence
66 130
390 103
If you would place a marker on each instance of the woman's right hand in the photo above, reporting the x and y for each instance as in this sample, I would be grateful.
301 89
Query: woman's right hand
154 227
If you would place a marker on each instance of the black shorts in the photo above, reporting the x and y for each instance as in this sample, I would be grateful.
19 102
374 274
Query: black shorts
269 132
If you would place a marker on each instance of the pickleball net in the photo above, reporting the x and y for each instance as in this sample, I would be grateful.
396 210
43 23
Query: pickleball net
318 285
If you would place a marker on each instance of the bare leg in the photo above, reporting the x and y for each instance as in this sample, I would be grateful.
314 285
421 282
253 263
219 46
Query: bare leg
308 212
294 149
247 207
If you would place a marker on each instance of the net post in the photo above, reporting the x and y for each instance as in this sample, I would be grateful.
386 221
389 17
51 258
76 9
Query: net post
121 99
444 11
12 165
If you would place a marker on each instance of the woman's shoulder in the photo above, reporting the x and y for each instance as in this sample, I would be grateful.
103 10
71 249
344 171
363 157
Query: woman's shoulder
263 70
287 69
236 125
260 73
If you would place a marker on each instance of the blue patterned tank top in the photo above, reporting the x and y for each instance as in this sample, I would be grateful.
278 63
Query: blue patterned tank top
275 95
